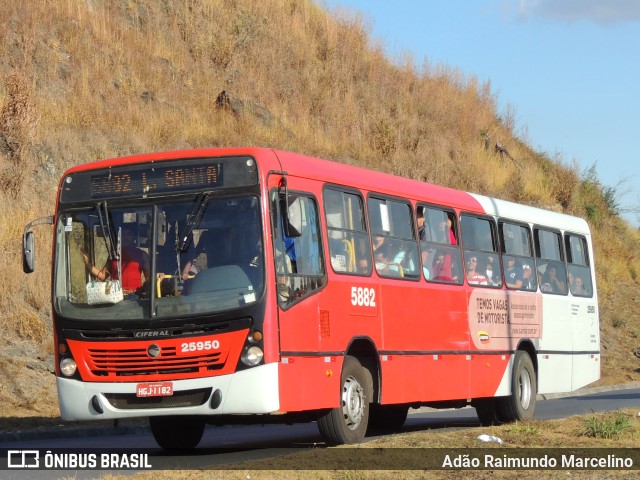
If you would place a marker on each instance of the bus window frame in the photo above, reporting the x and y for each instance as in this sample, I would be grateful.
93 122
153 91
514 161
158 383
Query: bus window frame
496 245
365 216
539 260
274 239
569 261
385 197
450 212
532 246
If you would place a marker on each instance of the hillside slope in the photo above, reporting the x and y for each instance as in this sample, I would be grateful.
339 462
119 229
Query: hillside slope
92 79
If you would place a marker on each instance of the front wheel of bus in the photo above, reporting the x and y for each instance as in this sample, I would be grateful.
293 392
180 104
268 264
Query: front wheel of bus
521 404
348 423
175 433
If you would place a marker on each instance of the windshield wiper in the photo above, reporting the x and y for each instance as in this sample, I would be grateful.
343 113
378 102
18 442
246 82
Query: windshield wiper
193 219
107 232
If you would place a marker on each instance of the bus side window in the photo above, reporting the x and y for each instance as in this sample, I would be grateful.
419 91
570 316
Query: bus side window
579 275
394 239
480 251
517 256
349 246
439 251
551 269
299 261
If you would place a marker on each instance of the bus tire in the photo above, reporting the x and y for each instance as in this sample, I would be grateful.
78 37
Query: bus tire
347 424
487 411
387 418
521 404
177 433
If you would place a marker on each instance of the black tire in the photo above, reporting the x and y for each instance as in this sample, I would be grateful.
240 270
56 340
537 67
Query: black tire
387 418
487 411
521 404
347 424
177 433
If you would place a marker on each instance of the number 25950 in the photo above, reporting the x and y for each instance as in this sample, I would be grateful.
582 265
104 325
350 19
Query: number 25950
363 297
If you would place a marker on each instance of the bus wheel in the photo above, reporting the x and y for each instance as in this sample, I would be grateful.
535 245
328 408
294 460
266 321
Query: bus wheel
179 432
487 411
387 418
521 404
348 422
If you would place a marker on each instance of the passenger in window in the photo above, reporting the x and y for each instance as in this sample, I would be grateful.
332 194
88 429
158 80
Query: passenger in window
551 279
423 234
442 267
491 273
578 287
528 282
513 275
382 262
135 264
445 232
362 266
544 285
474 277
377 243
424 254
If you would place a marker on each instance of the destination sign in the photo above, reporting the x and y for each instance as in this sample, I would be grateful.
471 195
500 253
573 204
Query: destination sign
156 180
159 178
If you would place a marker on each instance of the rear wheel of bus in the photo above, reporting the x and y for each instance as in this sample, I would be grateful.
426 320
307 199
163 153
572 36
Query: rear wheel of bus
179 432
387 418
348 422
521 404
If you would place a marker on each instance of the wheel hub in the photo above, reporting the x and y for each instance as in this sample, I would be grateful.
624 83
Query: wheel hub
352 402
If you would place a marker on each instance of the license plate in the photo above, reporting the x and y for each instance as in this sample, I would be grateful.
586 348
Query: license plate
163 389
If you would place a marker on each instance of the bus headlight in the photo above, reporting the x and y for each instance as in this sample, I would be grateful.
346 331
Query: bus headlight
68 367
252 356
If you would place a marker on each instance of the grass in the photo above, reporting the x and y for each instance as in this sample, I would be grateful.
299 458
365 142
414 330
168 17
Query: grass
607 426
553 434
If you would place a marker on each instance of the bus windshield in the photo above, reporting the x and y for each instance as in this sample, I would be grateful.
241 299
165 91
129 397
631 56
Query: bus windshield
208 258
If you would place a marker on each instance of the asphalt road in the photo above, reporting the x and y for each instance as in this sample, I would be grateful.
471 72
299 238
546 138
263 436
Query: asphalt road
231 444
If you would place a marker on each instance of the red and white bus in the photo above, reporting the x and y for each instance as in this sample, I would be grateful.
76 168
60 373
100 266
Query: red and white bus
254 285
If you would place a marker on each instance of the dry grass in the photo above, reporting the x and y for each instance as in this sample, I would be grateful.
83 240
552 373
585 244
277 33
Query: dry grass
552 434
86 80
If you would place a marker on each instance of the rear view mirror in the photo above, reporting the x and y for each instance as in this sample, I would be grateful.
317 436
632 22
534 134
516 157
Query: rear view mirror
28 252
29 244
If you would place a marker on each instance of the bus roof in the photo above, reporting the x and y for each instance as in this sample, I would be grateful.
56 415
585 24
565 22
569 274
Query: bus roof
533 215
365 179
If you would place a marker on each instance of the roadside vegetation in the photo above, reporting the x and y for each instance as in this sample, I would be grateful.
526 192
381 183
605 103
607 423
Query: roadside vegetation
551 434
85 80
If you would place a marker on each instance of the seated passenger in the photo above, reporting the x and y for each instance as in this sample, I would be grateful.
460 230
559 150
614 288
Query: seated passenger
382 263
512 274
578 287
551 277
528 282
198 260
492 279
473 277
135 264
424 254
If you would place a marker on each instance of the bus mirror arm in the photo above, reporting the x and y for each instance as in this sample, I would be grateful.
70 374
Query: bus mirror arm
29 244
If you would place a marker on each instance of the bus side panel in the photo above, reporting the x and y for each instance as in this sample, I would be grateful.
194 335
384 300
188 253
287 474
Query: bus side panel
427 377
487 374
586 338
555 352
308 383
426 341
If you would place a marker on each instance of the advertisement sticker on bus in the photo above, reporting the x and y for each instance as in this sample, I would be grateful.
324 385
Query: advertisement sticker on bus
498 319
